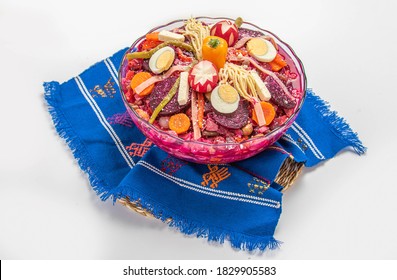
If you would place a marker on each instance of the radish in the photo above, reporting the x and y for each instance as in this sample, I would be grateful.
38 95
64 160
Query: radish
203 77
226 30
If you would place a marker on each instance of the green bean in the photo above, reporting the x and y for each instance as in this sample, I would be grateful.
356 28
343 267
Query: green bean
165 101
148 54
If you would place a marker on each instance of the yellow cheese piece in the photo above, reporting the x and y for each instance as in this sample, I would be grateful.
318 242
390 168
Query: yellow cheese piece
165 35
183 91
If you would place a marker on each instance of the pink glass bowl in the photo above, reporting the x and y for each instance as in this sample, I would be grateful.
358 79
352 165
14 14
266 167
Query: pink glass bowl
199 152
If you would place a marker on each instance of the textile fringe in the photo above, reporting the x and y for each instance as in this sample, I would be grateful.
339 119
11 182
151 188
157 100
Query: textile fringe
65 131
189 227
338 124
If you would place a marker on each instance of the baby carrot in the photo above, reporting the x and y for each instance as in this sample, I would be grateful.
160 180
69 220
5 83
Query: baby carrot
200 113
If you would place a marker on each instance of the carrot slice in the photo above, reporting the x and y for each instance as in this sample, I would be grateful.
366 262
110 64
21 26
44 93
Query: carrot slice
152 36
268 112
138 79
277 63
180 123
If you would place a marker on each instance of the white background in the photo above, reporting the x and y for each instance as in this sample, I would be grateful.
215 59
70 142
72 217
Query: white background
343 209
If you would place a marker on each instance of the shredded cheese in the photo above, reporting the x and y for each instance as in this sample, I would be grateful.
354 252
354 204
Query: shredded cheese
196 32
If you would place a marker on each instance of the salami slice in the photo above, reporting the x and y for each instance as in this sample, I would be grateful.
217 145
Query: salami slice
160 90
235 120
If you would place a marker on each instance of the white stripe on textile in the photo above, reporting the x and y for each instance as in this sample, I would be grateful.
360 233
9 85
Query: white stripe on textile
112 70
212 192
103 121
307 140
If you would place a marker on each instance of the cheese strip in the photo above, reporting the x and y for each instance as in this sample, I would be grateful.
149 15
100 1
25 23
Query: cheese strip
196 128
183 92
165 35
262 91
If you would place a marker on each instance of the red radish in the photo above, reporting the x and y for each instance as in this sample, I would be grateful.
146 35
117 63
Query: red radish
203 77
226 30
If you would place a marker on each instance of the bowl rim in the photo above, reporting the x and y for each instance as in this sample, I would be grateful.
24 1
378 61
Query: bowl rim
249 140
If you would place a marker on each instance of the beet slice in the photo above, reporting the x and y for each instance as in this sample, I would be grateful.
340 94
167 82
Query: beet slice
235 120
244 32
160 90
278 95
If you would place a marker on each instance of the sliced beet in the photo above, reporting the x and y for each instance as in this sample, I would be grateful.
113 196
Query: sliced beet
278 95
235 120
160 90
244 32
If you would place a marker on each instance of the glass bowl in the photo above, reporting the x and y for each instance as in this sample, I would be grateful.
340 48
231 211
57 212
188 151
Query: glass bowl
200 152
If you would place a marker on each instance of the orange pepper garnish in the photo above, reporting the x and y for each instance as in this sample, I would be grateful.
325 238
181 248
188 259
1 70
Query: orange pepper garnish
215 50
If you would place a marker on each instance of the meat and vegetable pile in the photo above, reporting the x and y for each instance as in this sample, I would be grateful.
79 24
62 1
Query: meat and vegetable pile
217 83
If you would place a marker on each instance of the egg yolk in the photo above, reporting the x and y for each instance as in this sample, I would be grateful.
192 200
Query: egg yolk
164 61
228 93
257 46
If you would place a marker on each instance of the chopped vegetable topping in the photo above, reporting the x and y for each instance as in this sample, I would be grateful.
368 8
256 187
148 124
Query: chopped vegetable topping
219 83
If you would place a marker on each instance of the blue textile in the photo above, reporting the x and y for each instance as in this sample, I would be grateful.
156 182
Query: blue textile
239 202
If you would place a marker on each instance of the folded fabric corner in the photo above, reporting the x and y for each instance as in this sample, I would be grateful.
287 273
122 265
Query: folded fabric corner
240 202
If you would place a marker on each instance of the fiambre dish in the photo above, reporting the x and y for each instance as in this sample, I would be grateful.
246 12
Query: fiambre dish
212 90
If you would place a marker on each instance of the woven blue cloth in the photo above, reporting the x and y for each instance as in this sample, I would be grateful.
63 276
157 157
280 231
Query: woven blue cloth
239 202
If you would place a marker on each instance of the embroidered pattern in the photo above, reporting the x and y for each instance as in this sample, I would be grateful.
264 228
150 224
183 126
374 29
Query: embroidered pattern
246 198
308 142
302 144
257 186
216 175
170 165
107 90
121 119
139 150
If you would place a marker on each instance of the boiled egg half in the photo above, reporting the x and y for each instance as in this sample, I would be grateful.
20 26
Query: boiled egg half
261 49
225 99
162 60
